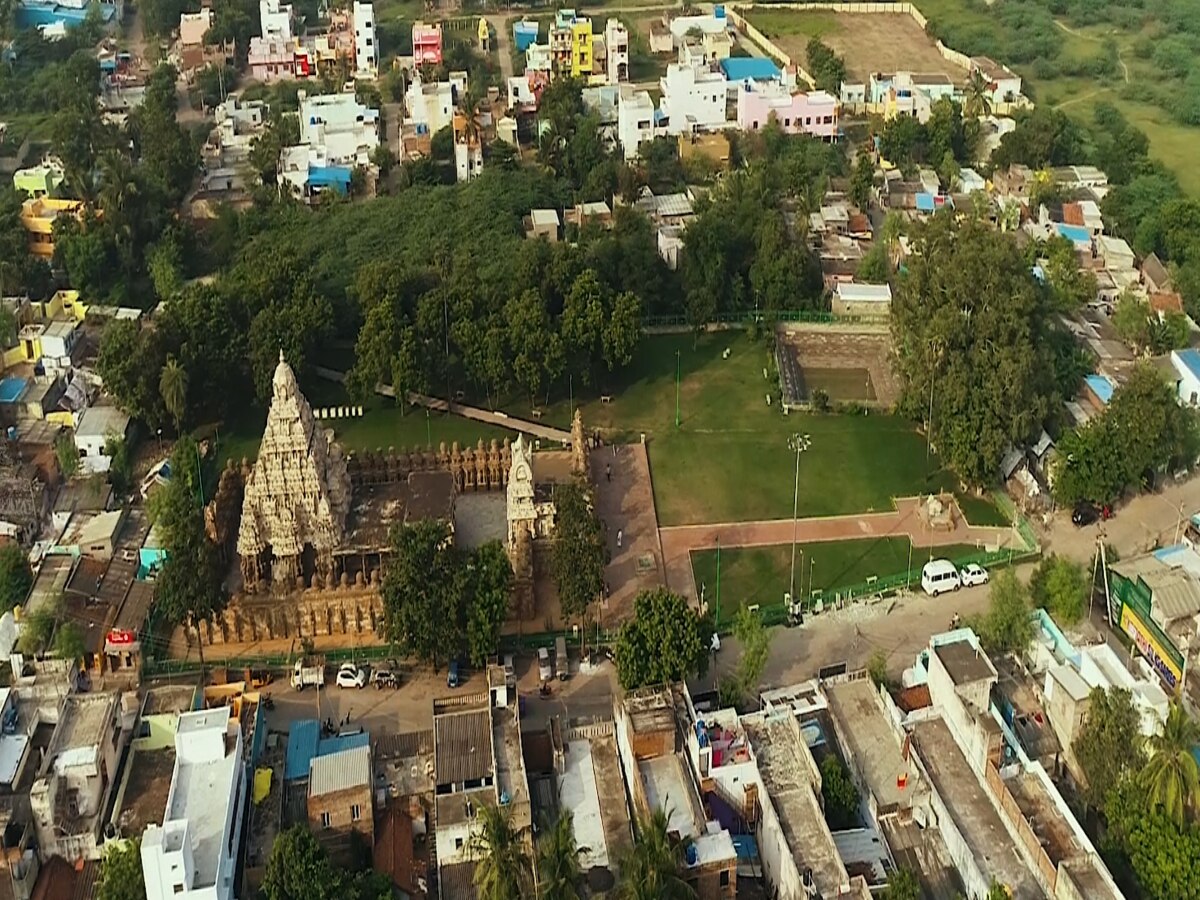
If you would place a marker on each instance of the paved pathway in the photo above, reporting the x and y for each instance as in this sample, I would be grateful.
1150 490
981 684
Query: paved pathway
678 542
500 26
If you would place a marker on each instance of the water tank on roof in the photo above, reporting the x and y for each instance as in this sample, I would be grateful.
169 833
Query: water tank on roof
11 432
691 855
719 11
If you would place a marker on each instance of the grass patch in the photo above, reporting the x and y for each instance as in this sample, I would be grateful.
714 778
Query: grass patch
762 574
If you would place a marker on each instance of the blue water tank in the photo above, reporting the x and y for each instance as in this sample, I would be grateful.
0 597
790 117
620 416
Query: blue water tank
691 855
719 11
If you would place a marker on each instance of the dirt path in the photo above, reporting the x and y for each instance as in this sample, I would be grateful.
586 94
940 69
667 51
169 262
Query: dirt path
679 542
500 25
1094 40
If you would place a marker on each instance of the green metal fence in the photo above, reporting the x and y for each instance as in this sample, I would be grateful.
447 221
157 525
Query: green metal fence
747 317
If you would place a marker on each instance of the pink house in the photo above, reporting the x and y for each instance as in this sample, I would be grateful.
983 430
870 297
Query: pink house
815 112
427 43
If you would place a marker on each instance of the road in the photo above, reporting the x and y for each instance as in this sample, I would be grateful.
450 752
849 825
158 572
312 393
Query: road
500 26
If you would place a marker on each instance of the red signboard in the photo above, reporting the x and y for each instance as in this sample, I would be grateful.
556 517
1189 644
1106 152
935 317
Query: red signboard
121 636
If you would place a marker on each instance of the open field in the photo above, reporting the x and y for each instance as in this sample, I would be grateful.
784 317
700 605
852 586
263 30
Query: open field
728 460
868 43
762 574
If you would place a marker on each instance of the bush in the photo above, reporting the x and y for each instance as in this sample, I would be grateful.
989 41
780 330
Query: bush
840 795
820 401
1060 587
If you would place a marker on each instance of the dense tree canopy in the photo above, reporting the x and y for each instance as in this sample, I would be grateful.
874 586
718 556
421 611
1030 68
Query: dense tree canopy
300 869
16 578
666 641
580 550
970 326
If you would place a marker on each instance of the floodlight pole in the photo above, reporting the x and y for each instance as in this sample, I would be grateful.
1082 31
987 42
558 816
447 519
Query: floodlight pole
676 388
718 623
799 443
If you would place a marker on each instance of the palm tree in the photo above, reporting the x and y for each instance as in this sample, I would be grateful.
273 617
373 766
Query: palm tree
502 871
978 99
558 857
652 869
173 385
1171 777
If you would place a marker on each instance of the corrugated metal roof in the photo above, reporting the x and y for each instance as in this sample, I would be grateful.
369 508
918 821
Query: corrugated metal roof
339 771
463 747
303 737
340 742
457 881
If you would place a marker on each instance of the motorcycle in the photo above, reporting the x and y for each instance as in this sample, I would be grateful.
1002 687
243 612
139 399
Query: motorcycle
267 702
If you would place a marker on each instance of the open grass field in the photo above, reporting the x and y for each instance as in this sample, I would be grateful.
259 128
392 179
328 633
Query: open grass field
868 43
762 574
729 459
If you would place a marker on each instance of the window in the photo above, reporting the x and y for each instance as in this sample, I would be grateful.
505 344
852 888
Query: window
355 813
724 877
787 123
369 42
326 821
458 842
178 888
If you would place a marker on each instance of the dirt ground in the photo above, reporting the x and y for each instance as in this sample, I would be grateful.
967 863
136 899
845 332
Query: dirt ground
826 348
868 43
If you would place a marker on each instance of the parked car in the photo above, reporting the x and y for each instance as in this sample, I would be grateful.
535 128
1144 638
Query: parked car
545 668
452 675
562 667
382 678
510 672
939 576
351 676
1084 514
972 575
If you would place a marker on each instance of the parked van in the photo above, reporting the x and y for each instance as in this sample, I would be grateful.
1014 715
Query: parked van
939 576
561 666
452 675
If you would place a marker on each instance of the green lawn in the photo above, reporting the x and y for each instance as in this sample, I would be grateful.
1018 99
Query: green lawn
381 425
762 574
729 459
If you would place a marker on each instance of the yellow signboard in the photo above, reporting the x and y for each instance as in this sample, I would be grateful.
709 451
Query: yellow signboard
1150 647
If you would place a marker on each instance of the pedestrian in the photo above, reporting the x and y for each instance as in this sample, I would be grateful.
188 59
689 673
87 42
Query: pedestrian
614 450
608 471
620 537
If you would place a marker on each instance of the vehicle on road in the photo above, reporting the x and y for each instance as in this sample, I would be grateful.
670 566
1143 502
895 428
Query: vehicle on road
308 673
1084 514
452 676
382 678
939 576
562 667
351 676
545 670
972 575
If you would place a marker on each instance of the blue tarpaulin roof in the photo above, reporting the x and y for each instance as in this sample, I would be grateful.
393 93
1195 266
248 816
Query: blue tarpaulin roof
337 177
1190 359
1101 387
338 743
303 737
745 846
737 68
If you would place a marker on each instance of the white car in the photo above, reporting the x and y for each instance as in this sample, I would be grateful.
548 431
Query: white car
351 676
973 575
545 668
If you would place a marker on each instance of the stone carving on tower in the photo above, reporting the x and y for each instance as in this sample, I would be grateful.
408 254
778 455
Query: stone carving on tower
526 510
297 496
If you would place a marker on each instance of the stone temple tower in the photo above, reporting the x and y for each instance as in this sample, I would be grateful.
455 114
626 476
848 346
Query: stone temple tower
297 496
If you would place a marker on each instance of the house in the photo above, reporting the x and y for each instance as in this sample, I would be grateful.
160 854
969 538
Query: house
867 301
431 105
635 120
814 112
1155 276
79 774
693 99
344 129
91 534
38 215
661 40
616 51
1187 367
571 44
542 223
193 27
427 44
366 50
1004 85
193 855
40 181
705 23
468 150
340 800
595 213
750 68
96 426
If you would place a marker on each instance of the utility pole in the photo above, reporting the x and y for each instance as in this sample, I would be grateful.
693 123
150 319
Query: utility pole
799 443
676 388
718 625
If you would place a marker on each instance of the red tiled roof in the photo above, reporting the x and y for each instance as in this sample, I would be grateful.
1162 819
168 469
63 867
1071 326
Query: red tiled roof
913 698
859 224
1166 301
1072 214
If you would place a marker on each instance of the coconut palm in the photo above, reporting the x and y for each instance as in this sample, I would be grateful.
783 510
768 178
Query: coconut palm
1171 777
652 869
978 99
502 869
173 385
559 858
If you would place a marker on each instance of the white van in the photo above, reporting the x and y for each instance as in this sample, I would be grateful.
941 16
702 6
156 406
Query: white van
939 576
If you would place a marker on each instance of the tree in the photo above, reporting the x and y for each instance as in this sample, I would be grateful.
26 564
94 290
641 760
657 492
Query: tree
1164 857
130 362
1172 775
489 578
902 885
502 863
298 869
559 860
754 642
1059 586
969 325
121 872
827 68
423 592
67 455
36 629
666 641
840 795
653 868
874 267
16 578
173 385
1007 627
1109 743
580 551
68 641
978 99
1131 319
862 179
877 669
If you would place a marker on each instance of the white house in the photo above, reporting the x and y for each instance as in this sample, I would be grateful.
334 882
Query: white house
340 126
865 300
635 121
1187 367
366 50
693 98
616 49
1004 85
275 21
431 106
193 856
96 425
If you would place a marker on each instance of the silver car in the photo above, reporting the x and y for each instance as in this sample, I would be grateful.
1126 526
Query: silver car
545 667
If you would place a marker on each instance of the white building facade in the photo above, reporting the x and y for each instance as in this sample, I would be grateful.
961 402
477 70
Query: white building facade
635 121
366 45
339 127
693 99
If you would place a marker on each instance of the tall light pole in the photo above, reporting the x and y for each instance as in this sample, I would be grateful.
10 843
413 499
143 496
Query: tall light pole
799 443
676 388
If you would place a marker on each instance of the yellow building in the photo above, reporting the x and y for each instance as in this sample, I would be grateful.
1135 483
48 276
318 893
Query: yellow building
571 45
46 327
38 216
